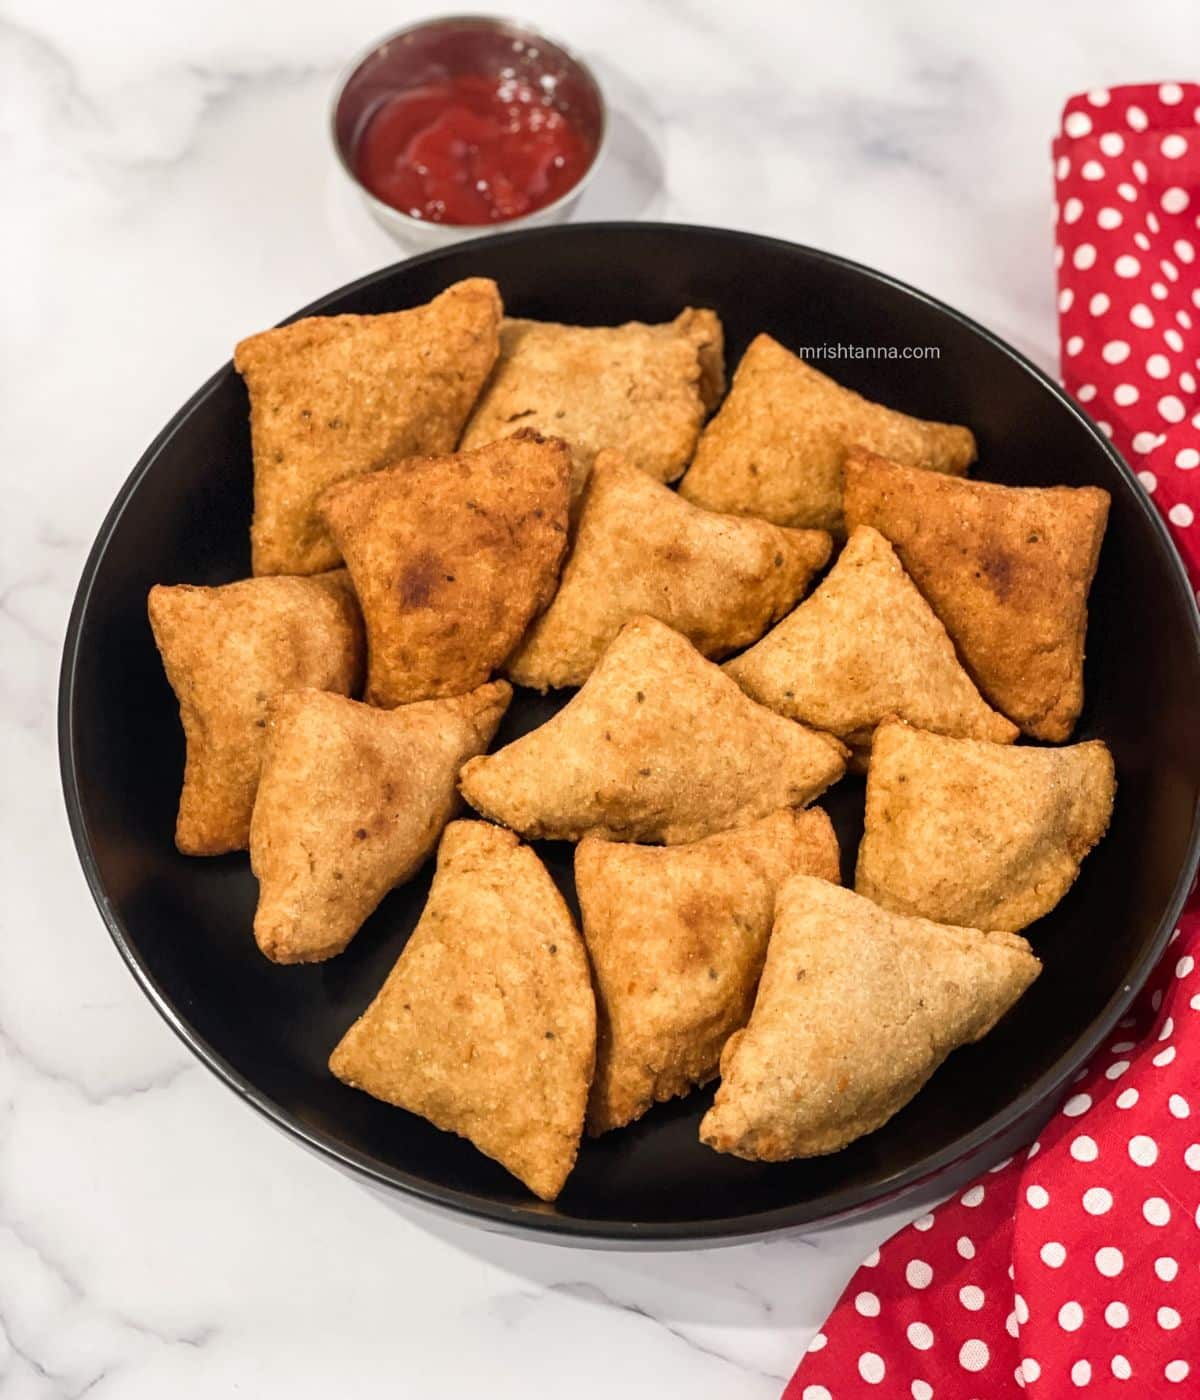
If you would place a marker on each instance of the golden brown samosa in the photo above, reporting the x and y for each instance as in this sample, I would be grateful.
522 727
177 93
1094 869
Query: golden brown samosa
1006 568
451 557
487 1024
351 802
657 746
705 331
677 937
777 446
333 396
866 646
641 390
228 651
967 832
721 580
856 1009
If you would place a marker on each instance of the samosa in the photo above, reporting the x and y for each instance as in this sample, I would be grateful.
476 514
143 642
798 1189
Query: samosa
967 832
677 937
864 647
1006 568
777 446
228 651
721 580
641 390
452 557
351 802
333 396
658 746
486 1025
856 1009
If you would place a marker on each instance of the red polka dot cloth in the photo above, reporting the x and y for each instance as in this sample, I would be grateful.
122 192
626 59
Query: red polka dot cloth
1074 1268
1127 167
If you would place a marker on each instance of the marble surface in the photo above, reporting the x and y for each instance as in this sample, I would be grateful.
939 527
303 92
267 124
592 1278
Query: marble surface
168 188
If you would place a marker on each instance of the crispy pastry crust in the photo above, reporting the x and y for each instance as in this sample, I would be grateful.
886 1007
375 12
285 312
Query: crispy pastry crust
865 647
856 1009
659 745
228 652
967 832
452 558
334 396
777 446
721 580
487 1024
1006 568
641 390
677 937
351 802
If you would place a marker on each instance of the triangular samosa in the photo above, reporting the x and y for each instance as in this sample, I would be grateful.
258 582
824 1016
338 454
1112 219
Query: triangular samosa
657 746
721 580
864 647
1006 568
777 445
642 390
677 937
333 396
451 557
350 804
487 1024
968 832
856 1009
228 651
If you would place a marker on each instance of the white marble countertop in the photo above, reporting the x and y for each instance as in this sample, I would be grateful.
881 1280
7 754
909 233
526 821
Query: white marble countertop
168 189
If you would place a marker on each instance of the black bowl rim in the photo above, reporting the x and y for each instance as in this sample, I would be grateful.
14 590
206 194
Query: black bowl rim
529 1219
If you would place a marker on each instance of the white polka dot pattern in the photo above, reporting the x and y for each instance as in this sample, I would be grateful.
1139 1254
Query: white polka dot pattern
1128 194
1073 1269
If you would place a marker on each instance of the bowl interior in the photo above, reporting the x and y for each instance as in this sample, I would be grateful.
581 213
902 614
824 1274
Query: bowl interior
185 923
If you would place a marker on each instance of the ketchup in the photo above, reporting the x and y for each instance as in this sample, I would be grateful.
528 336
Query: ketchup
470 150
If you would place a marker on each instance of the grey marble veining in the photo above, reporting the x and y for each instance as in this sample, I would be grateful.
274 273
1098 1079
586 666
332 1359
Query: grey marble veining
168 189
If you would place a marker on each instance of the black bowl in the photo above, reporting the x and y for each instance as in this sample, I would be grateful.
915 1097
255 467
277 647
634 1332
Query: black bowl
183 925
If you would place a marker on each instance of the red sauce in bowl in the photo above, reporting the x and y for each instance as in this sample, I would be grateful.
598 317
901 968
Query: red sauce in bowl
470 150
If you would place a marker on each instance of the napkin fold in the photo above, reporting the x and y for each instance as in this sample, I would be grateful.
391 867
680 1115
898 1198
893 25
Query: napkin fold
1073 1268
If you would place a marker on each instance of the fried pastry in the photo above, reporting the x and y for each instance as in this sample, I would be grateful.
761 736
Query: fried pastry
351 802
642 390
487 1024
657 746
777 446
721 580
228 652
864 647
703 328
451 557
856 1009
1006 568
677 937
333 396
967 832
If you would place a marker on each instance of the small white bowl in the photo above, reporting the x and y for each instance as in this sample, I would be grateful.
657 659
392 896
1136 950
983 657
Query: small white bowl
441 48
